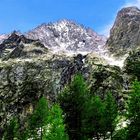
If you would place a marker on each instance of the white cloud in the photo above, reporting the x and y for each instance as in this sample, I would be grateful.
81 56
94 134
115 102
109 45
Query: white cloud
132 3
106 29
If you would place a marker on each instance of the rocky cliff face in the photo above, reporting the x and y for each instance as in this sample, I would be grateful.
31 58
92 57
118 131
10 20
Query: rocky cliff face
67 36
125 33
28 71
16 46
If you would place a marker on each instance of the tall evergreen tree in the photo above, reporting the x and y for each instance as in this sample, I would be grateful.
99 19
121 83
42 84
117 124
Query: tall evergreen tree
12 130
55 129
71 101
110 114
134 112
46 123
39 119
87 116
93 118
99 117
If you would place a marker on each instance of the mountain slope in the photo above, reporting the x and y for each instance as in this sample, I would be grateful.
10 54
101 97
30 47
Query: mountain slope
67 36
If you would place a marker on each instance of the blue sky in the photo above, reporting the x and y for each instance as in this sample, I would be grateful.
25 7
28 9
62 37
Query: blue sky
24 15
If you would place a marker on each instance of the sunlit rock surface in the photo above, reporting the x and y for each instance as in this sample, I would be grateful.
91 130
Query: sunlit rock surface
125 33
67 36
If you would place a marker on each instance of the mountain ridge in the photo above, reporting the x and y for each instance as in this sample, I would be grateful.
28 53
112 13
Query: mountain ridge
66 37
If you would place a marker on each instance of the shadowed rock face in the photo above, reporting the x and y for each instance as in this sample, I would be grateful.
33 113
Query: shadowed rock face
16 46
125 33
132 64
22 82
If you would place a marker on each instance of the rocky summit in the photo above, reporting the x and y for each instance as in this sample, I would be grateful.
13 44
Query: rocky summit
67 36
43 61
125 33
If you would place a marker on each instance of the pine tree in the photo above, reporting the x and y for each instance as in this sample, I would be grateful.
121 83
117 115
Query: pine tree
38 120
46 123
93 118
55 129
110 114
71 101
87 116
99 117
134 112
12 130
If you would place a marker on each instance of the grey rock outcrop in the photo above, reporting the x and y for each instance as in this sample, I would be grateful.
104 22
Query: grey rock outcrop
16 46
125 33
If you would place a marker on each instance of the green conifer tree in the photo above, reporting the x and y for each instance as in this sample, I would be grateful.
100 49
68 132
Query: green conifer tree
99 117
55 129
93 118
134 113
46 123
12 130
71 101
39 119
110 115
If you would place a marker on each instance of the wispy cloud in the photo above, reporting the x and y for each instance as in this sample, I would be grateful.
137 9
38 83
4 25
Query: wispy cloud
132 3
106 29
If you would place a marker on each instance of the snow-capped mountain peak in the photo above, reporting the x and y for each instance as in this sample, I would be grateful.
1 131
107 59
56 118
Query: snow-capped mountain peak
67 36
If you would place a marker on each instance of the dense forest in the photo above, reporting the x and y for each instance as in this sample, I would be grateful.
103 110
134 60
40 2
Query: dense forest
79 114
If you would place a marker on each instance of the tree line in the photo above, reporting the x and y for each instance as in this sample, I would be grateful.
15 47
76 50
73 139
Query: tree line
80 115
